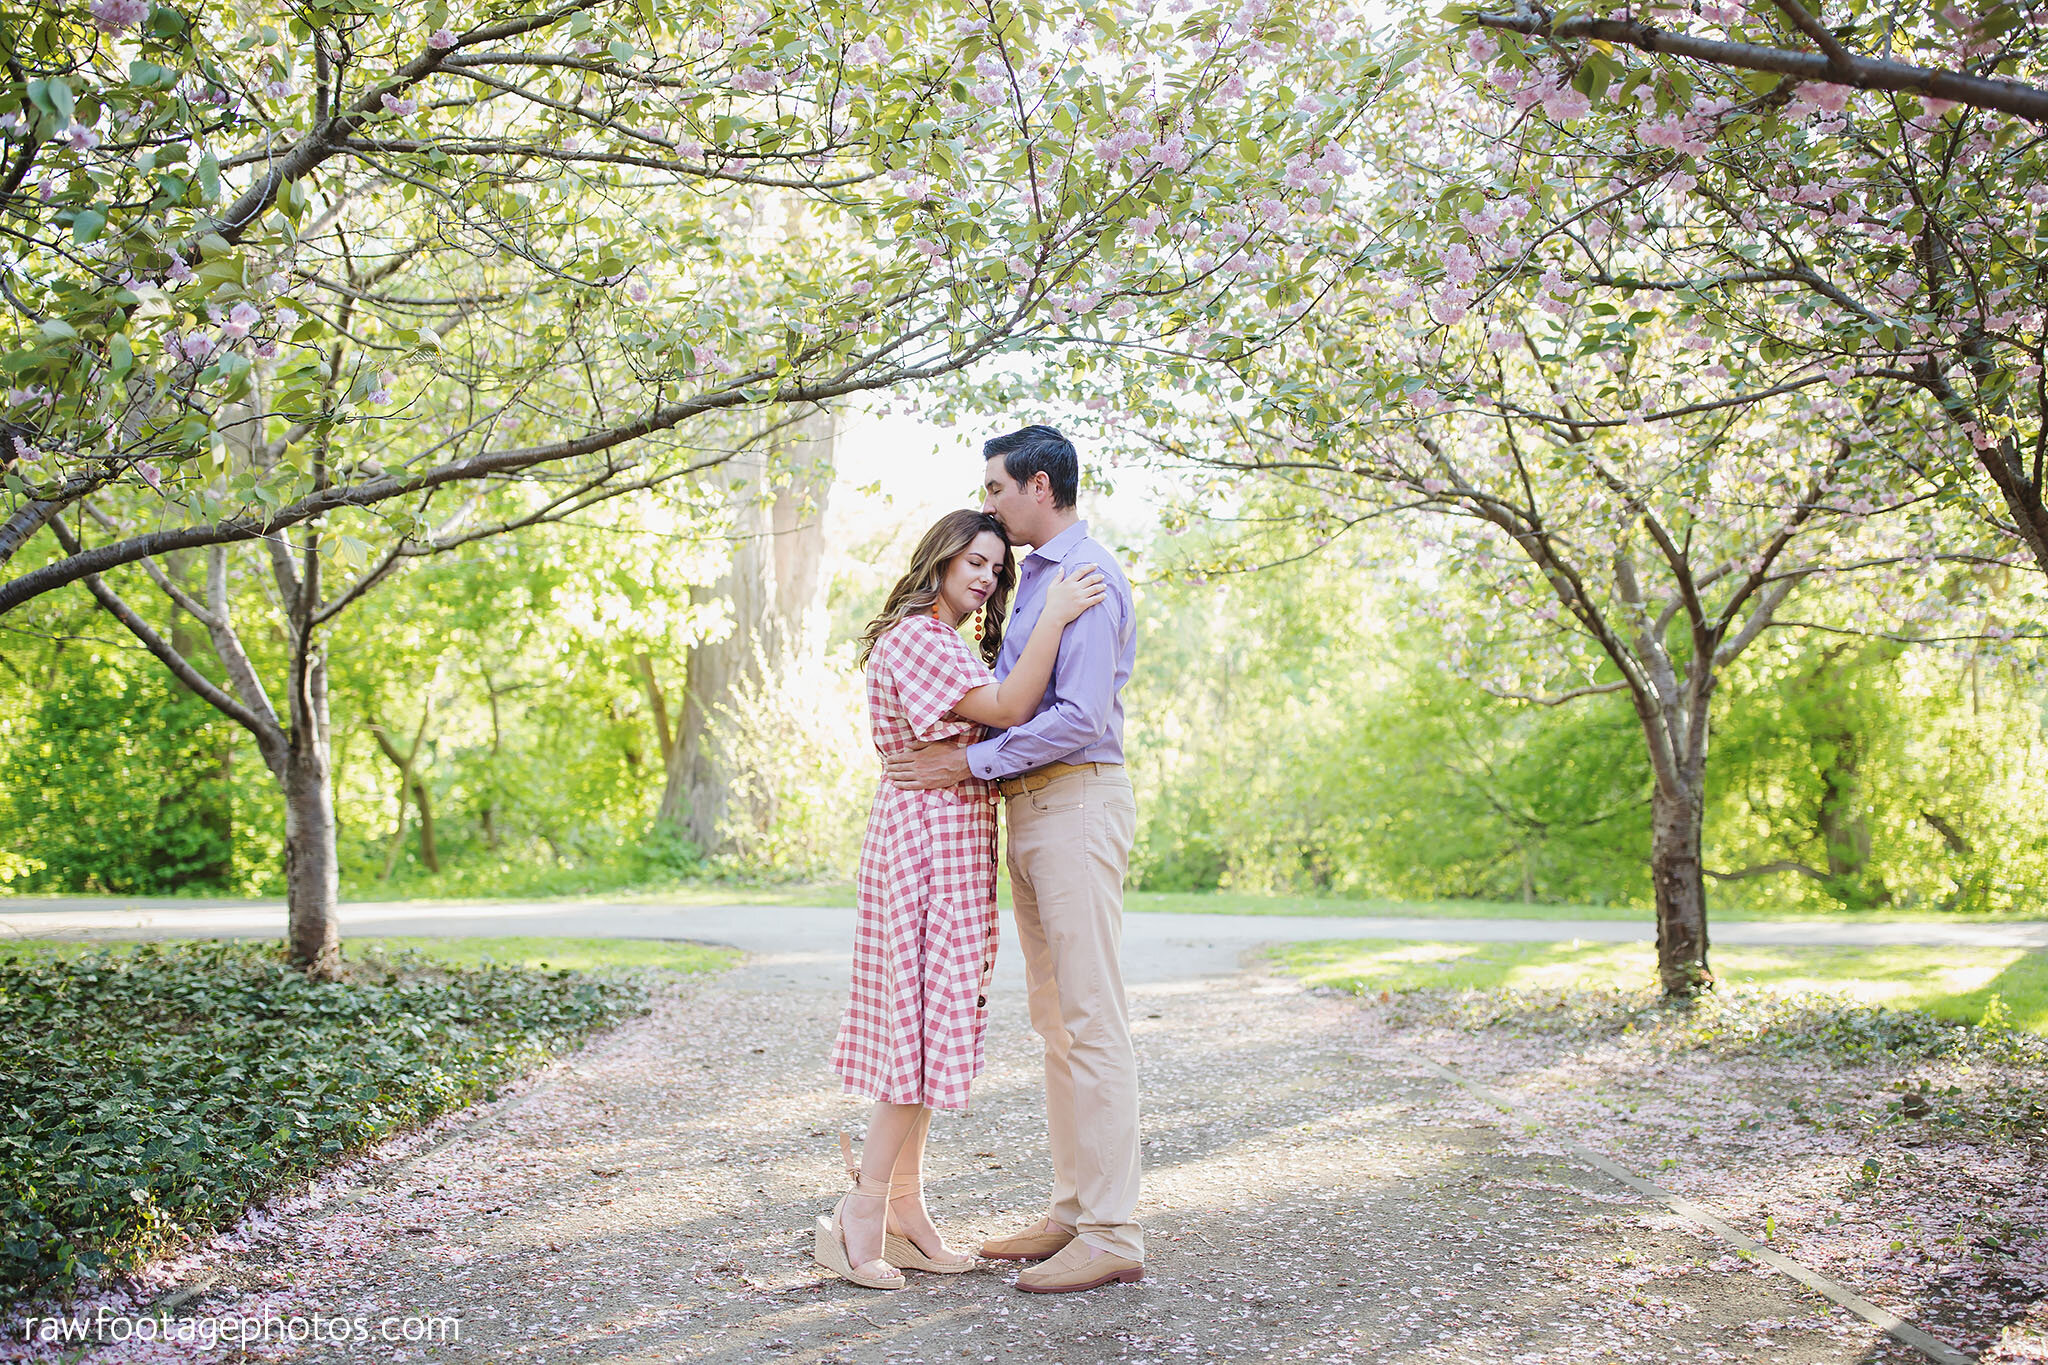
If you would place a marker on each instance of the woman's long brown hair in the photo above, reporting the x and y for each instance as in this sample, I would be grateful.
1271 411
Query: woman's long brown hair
918 590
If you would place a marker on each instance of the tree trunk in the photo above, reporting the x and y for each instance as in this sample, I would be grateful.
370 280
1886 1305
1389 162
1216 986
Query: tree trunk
657 704
772 585
311 861
1676 821
428 855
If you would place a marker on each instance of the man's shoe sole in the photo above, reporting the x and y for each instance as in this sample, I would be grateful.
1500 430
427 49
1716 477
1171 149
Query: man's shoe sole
1024 1256
1131 1276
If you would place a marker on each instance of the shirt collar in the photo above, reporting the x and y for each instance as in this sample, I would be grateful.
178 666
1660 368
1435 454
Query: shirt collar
1057 549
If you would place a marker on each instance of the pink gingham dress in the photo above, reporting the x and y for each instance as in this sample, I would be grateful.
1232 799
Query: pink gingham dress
924 942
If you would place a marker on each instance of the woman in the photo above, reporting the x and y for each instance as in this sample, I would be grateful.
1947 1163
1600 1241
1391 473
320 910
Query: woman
925 941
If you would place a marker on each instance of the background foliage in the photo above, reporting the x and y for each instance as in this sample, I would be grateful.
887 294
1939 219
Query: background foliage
1292 730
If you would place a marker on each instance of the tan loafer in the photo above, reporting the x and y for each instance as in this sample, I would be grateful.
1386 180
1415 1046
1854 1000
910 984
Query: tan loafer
1035 1243
1079 1266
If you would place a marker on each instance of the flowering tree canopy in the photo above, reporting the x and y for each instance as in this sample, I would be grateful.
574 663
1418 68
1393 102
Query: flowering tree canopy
1850 191
365 285
381 253
1674 360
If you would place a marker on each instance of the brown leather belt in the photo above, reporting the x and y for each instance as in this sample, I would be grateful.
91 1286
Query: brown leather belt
1039 778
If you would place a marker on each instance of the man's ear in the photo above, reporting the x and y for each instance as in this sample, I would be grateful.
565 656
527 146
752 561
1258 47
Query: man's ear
1041 482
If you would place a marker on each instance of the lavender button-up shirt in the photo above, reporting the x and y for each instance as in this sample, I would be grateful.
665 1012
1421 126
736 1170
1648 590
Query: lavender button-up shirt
1081 718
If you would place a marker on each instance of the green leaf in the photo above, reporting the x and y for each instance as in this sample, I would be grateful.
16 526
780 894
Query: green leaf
87 225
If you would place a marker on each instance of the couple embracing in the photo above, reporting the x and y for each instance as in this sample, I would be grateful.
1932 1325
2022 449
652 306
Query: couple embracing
1032 715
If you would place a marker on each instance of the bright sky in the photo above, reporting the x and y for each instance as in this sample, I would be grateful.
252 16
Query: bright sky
918 470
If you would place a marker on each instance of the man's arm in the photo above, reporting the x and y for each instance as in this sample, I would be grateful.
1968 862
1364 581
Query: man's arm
1084 695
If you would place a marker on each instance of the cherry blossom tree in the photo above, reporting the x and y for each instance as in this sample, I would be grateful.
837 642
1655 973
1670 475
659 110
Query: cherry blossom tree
356 288
1650 442
1849 189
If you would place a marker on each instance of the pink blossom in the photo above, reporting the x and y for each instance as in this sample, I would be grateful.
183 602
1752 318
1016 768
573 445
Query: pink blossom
240 320
441 38
151 475
1481 48
1461 266
1562 104
1936 107
81 138
639 292
278 89
113 16
380 392
1502 339
401 107
26 451
1232 89
1829 97
287 318
1308 104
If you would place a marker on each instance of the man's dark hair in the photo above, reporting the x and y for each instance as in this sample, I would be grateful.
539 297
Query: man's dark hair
1039 450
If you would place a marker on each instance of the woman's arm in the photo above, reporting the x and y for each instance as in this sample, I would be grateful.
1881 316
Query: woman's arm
1013 700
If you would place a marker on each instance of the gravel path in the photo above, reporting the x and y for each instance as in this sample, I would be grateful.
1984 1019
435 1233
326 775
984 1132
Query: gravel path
1308 1196
1160 946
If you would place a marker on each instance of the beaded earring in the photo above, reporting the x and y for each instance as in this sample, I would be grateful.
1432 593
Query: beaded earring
978 614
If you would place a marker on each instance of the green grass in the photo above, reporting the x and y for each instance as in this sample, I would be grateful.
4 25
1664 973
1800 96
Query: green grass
525 953
1949 983
551 954
1249 903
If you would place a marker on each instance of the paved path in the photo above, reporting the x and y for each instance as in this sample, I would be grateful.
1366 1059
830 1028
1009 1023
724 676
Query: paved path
812 941
1310 1195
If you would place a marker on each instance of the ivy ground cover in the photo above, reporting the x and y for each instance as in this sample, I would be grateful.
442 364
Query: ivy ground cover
153 1091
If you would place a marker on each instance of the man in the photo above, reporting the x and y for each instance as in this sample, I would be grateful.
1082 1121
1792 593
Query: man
1071 818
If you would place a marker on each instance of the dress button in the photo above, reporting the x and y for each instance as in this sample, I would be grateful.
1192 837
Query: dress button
981 1002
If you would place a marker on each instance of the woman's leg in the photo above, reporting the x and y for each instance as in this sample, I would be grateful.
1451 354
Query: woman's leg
889 1129
907 1214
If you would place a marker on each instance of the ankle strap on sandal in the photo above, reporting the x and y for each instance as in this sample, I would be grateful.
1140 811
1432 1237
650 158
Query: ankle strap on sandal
864 1185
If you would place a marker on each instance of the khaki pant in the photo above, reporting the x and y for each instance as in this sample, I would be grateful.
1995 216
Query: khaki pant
1070 842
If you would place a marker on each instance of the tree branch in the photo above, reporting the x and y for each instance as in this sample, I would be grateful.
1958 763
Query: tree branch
2011 97
269 739
1766 869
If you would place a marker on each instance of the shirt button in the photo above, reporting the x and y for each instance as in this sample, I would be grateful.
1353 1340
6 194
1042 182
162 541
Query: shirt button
981 1002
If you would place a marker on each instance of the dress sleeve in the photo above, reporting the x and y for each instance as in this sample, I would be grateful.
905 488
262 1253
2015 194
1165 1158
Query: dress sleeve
934 669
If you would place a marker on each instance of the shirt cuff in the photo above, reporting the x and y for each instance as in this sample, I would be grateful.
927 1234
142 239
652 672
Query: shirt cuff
982 759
